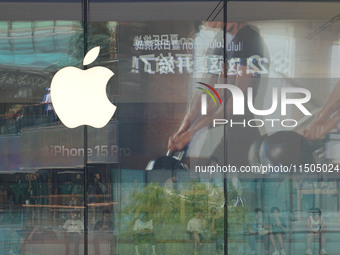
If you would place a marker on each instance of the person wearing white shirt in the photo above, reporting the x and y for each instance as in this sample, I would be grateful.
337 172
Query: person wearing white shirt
316 229
195 229
73 228
144 232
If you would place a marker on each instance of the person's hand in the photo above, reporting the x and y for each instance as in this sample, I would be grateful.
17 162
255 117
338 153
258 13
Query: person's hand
171 143
177 142
322 124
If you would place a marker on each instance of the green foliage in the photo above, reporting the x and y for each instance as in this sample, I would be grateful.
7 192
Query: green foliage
164 207
152 200
98 35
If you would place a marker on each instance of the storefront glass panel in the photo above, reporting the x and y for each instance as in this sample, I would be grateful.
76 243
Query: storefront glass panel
155 72
184 166
41 169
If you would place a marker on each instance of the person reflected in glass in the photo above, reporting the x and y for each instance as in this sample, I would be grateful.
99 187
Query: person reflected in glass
96 188
277 228
104 231
235 72
195 230
217 229
73 229
49 110
77 192
144 232
316 230
327 119
258 230
78 187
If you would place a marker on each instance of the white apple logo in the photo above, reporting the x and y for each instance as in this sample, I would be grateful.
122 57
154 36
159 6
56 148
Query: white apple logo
79 96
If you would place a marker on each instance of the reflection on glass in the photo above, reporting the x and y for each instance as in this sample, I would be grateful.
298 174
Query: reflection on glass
104 232
31 53
73 229
172 209
39 208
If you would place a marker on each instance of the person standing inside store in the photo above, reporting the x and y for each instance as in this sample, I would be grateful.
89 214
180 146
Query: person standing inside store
104 231
73 228
97 189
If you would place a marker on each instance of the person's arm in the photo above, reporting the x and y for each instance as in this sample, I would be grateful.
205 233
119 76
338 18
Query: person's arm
308 224
48 99
323 225
182 137
327 119
265 225
283 224
251 231
190 228
30 237
66 224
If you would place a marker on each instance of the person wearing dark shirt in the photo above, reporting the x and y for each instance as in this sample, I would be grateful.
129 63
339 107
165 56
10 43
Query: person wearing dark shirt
277 227
258 230
104 230
97 189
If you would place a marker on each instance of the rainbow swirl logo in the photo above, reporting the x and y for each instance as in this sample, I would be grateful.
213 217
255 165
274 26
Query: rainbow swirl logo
204 97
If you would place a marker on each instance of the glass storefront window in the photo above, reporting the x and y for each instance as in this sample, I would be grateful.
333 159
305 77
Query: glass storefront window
225 139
